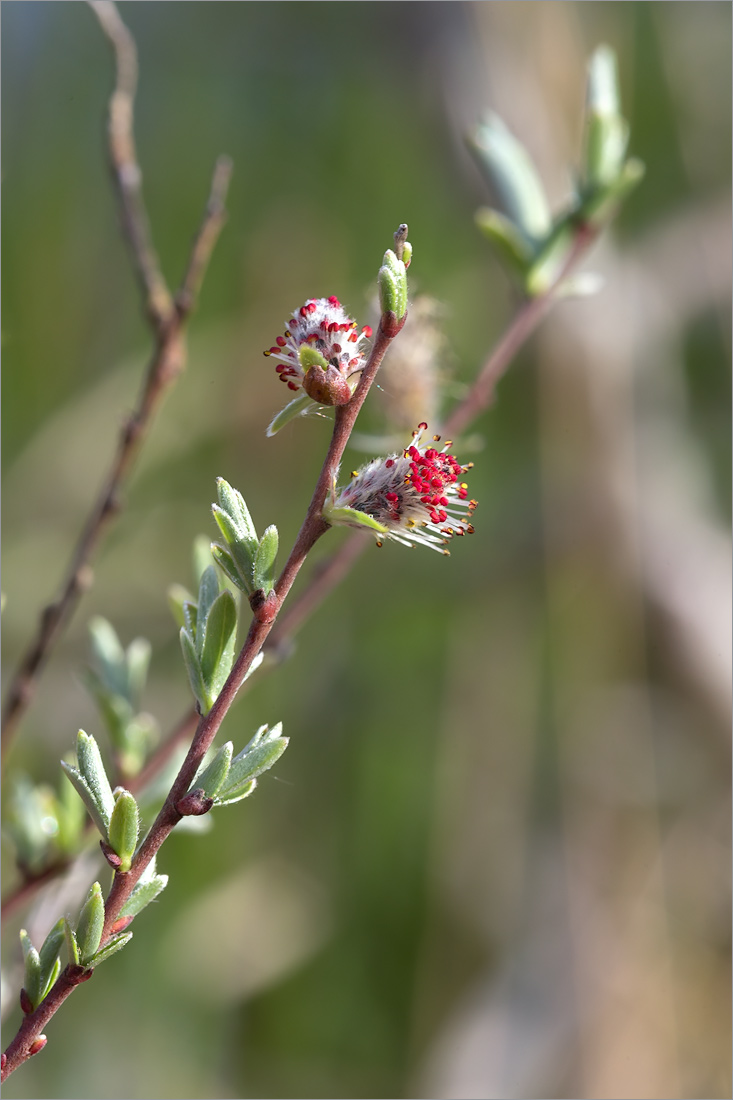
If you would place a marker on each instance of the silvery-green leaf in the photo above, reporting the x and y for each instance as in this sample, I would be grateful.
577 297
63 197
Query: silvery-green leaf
90 925
138 661
513 246
115 944
299 406
208 592
70 816
193 671
92 770
235 795
512 174
143 894
213 775
190 618
232 502
242 550
123 828
254 666
253 764
31 969
263 576
109 654
86 796
226 562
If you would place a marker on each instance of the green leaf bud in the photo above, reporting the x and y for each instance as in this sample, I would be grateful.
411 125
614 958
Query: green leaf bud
123 828
90 925
93 773
86 795
31 970
232 502
392 281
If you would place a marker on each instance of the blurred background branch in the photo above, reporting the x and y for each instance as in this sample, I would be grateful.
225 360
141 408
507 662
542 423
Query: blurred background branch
167 362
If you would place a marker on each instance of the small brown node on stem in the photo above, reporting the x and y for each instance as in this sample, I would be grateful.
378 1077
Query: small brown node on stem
121 924
110 855
264 607
25 1003
391 324
195 803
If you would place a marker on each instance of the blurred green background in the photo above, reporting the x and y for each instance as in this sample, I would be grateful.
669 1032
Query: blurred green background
495 860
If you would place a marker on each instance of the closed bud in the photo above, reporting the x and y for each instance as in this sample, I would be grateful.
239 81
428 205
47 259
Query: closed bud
37 1044
26 1003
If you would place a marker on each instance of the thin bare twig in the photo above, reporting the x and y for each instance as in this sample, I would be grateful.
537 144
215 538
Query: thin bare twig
167 361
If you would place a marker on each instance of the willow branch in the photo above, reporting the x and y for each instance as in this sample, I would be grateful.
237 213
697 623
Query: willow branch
167 319
265 612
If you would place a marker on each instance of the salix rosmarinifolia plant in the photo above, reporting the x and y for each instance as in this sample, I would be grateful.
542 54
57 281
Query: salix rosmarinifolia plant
416 496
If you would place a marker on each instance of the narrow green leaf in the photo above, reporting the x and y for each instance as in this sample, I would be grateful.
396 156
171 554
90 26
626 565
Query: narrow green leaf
90 924
138 661
253 764
115 944
226 562
208 592
177 597
265 560
236 794
217 642
511 172
72 947
49 956
215 773
143 894
512 245
123 828
32 969
299 406
92 770
193 671
53 975
190 618
86 795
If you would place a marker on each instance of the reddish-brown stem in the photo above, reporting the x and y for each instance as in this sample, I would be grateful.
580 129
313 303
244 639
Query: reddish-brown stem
167 320
264 616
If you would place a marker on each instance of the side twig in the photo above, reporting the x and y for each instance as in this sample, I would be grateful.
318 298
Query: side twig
168 321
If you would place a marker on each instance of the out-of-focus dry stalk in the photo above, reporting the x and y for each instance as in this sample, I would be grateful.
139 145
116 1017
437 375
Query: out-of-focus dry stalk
167 317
